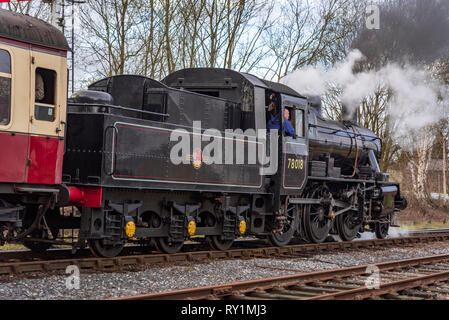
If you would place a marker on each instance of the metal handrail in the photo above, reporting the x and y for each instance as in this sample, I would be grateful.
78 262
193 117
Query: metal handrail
91 105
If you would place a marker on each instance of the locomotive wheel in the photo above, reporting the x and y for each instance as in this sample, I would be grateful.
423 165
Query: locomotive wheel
382 230
346 228
217 243
283 238
317 223
166 246
99 249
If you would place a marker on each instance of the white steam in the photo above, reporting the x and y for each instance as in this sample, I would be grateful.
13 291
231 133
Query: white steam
417 99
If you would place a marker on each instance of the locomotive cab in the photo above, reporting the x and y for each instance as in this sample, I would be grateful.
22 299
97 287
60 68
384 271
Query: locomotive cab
293 163
260 100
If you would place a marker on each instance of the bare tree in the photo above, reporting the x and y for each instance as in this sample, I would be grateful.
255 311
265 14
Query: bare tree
306 34
419 159
152 40
109 35
35 8
203 33
192 21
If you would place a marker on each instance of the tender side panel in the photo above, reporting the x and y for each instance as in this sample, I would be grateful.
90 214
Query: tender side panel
143 153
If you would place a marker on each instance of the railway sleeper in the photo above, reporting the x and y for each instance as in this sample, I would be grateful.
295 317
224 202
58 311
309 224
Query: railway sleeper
437 289
333 285
237 296
311 289
419 293
270 295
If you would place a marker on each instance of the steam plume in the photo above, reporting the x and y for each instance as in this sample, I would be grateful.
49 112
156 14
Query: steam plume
417 98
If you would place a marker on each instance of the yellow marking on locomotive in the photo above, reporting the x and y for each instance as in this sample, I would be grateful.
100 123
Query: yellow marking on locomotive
191 228
130 229
297 164
242 226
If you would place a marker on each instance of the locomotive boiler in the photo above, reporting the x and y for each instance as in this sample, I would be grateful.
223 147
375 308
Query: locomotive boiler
133 159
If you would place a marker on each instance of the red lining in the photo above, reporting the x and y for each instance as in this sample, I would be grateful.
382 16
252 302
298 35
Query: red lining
188 133
32 46
179 179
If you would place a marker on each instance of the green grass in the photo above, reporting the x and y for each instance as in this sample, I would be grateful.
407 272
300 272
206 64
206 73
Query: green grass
424 225
12 247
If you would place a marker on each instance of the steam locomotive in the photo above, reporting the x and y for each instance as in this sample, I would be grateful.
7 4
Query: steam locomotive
129 155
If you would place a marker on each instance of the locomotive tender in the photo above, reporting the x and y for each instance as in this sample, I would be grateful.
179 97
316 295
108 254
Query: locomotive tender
108 151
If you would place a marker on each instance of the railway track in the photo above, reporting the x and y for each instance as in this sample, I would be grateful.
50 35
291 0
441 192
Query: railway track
66 253
420 278
43 264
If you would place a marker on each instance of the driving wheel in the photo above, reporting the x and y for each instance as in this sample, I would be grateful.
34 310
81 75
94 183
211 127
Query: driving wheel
348 225
283 237
317 222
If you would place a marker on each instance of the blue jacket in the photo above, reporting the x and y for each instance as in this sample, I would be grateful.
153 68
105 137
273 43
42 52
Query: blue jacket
288 128
274 124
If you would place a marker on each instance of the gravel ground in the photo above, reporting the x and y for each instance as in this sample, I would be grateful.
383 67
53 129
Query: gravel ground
155 279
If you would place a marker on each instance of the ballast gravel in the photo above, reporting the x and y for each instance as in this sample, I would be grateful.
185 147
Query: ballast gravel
171 277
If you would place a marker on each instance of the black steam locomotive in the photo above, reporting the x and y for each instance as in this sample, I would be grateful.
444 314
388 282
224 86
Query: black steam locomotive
160 162
120 154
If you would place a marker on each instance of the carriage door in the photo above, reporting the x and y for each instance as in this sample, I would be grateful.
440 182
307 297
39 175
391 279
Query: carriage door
295 149
46 143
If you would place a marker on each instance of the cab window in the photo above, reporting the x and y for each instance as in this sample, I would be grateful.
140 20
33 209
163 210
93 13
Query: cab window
45 94
299 123
5 87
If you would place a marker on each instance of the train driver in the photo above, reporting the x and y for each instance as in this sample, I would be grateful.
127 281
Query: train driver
274 124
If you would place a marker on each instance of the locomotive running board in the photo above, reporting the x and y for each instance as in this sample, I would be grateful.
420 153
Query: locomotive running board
334 203
36 190
341 179
304 201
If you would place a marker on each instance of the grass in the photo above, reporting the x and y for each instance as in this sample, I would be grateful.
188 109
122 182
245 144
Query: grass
424 225
12 246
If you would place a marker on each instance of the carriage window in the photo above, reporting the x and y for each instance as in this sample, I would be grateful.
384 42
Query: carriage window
45 94
299 123
5 87
5 62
